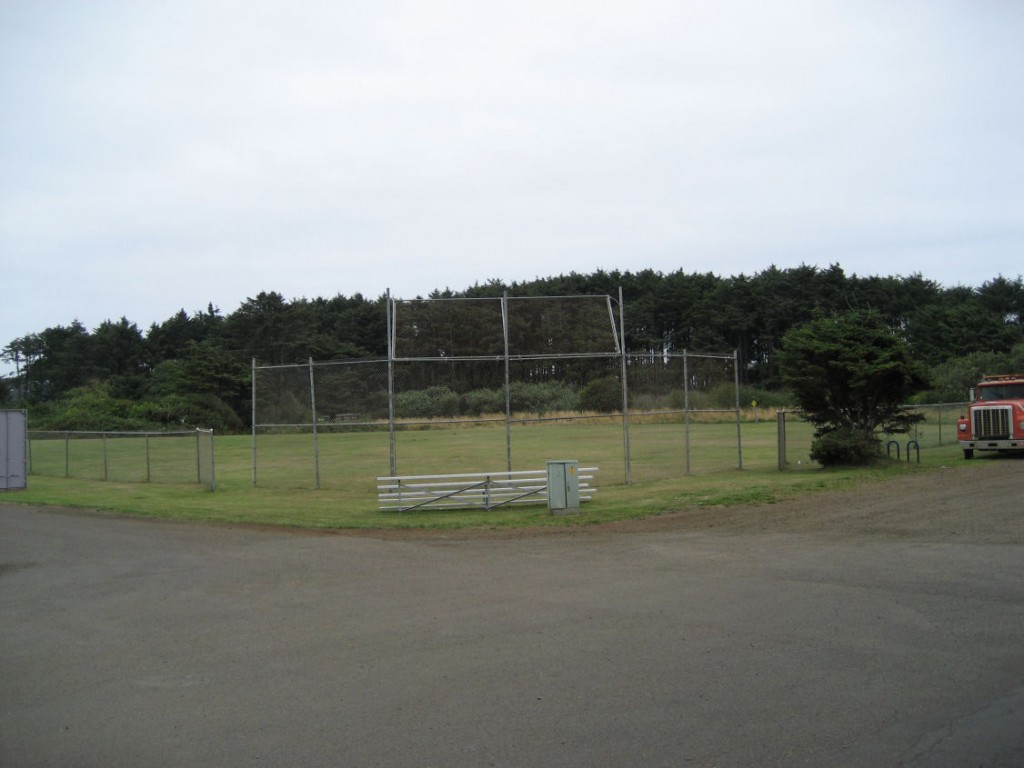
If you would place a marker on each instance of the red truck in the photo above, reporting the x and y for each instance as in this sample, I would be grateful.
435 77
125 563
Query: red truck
995 416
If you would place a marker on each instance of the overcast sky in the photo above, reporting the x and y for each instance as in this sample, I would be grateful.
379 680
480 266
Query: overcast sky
156 156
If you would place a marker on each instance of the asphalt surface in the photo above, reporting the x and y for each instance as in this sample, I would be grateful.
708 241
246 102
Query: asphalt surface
143 643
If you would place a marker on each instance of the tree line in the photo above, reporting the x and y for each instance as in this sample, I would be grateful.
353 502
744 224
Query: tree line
194 368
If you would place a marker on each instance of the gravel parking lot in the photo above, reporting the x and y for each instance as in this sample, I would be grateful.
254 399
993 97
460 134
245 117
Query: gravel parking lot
875 627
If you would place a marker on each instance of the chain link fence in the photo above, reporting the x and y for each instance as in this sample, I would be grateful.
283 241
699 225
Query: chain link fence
128 457
534 379
938 428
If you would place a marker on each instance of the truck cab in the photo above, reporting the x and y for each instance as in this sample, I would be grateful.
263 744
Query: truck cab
995 416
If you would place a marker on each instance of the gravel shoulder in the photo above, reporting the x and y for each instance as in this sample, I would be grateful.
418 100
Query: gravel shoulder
976 504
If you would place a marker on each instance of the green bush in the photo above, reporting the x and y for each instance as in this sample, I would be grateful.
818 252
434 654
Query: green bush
87 409
951 380
543 398
846 447
178 411
481 401
602 395
93 409
765 398
429 403
286 409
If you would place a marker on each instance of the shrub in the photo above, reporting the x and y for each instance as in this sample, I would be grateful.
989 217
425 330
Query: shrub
481 401
845 447
428 403
177 411
952 379
286 409
546 397
603 395
88 409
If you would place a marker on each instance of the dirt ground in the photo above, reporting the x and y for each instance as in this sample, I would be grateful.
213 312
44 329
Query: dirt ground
980 503
879 626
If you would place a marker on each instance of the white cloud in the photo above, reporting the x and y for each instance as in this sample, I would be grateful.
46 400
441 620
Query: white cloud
165 156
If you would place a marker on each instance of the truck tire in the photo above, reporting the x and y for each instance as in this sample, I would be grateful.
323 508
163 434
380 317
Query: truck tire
968 453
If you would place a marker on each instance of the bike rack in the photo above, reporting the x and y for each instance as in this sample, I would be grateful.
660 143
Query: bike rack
888 449
917 448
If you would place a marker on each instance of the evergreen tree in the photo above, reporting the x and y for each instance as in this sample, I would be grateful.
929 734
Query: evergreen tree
851 376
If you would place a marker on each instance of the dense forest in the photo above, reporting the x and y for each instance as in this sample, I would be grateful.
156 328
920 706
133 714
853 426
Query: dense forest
194 368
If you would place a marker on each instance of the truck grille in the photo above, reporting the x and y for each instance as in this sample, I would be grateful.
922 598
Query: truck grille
991 423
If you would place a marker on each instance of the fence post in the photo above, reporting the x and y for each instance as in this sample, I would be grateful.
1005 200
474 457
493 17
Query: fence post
508 383
148 475
104 455
739 430
390 306
253 376
316 440
213 464
780 422
625 389
686 408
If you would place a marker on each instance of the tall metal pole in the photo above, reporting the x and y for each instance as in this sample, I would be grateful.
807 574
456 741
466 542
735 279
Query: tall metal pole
686 407
316 439
625 389
780 431
213 465
391 382
508 385
739 431
253 416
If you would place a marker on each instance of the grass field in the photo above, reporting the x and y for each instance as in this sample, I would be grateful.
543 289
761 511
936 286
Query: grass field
350 462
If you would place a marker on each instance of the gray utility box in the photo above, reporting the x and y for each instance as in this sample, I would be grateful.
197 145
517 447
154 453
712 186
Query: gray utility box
13 450
563 487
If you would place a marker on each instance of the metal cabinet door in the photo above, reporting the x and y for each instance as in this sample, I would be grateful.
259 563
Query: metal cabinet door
13 457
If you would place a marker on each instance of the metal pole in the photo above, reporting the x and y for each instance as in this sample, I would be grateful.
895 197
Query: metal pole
5 452
686 407
105 472
508 385
199 458
316 439
253 416
780 422
625 390
67 455
148 470
390 305
739 434
213 465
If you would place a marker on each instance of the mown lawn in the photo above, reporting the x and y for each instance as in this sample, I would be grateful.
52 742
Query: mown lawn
285 493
